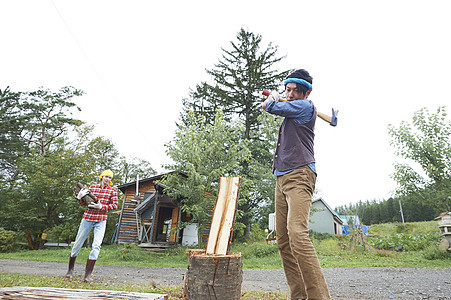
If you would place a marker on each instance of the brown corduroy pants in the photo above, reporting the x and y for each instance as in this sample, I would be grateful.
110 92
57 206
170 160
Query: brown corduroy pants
293 198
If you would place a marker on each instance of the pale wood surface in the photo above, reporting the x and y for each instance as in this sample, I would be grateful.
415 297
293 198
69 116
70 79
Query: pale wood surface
223 215
22 292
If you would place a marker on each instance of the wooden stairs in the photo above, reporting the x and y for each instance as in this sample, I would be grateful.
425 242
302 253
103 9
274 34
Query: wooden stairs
129 224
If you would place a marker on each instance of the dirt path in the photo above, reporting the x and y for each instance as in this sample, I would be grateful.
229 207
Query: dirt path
344 283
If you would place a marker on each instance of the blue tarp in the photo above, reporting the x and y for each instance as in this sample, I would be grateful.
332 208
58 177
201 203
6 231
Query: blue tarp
347 229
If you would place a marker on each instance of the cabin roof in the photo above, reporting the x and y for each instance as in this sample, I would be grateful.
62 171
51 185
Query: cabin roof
336 216
124 186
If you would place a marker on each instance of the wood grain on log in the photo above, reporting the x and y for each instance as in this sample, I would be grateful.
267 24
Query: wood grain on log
217 277
88 198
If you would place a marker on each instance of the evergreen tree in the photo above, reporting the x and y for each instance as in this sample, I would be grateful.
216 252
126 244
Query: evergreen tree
48 115
12 123
237 82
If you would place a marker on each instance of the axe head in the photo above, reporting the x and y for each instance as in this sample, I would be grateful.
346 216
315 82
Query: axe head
334 117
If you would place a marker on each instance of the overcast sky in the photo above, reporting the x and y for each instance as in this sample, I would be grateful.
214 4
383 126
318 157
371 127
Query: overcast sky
376 61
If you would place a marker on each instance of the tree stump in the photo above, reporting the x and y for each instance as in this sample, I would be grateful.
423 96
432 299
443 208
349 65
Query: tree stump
216 277
215 274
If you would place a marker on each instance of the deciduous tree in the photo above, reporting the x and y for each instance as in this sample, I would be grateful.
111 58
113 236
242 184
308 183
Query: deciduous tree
424 144
201 154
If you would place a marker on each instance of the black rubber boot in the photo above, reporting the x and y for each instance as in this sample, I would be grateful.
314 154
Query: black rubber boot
70 272
89 267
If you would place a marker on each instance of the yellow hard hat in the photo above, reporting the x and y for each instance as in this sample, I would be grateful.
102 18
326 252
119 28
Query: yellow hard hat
106 173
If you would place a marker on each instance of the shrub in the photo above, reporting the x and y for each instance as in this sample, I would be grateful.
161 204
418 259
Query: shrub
257 234
258 250
8 240
406 242
433 252
320 236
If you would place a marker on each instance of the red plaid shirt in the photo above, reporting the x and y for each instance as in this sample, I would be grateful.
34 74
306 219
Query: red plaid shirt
107 197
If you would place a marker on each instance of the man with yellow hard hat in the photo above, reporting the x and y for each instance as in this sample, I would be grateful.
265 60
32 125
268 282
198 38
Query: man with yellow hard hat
95 217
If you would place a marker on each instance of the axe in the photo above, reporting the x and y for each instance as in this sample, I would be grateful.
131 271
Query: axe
331 120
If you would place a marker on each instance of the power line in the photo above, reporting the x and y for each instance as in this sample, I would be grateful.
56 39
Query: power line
113 96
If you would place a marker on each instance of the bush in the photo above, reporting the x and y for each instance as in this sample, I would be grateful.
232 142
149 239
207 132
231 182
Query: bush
64 232
8 240
320 235
432 252
258 250
406 242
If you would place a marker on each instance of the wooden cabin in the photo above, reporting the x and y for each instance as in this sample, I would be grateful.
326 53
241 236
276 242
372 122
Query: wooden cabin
149 217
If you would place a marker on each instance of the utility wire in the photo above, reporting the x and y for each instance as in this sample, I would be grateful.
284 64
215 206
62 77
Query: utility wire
85 55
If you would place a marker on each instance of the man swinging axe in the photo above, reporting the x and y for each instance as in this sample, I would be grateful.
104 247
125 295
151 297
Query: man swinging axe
95 217
294 167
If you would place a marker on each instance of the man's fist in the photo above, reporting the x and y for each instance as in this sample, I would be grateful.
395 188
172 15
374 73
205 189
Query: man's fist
97 205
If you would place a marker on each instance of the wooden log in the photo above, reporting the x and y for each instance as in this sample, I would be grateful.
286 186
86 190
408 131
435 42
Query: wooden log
21 292
88 198
216 277
223 215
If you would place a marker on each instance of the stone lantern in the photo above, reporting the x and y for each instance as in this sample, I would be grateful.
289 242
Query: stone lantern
444 225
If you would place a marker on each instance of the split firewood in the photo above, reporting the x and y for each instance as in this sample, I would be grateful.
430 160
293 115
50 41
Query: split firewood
88 197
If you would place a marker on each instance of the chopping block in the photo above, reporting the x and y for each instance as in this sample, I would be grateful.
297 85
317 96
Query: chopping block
215 273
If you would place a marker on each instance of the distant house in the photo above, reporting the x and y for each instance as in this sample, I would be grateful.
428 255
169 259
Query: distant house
149 216
324 220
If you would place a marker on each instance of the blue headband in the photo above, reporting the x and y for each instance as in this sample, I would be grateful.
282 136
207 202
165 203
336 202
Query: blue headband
298 80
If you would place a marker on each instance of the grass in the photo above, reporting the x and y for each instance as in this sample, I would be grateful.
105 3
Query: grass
333 252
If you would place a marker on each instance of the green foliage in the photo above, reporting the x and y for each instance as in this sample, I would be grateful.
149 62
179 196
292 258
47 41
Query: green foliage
386 229
433 253
42 163
201 154
320 235
328 246
65 232
244 70
238 80
425 146
406 242
387 211
12 123
8 240
48 115
257 250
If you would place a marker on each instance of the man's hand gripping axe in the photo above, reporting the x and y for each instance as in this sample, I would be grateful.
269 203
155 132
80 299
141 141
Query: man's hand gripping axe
332 120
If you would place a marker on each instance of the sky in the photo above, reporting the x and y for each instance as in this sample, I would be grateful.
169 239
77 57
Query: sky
377 62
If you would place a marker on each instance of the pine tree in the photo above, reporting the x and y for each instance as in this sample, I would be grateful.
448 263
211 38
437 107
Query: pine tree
238 79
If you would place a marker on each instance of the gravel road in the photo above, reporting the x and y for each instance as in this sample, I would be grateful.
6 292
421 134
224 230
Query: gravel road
344 283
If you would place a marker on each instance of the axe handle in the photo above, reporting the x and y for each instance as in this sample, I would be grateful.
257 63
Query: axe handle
326 118
322 116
